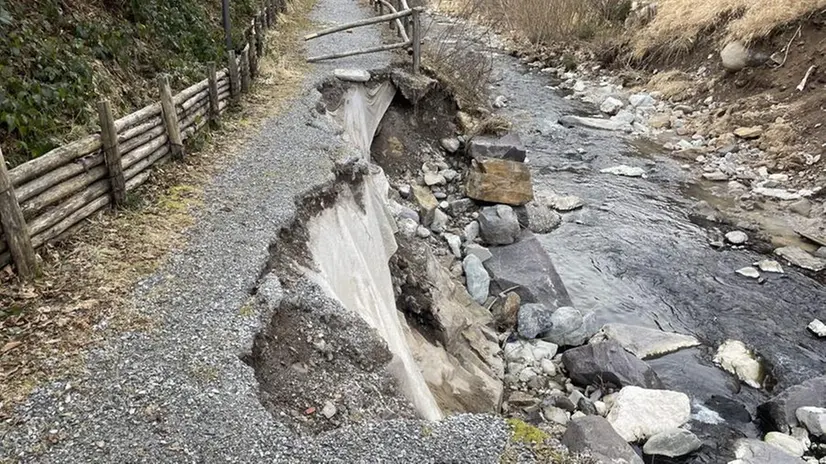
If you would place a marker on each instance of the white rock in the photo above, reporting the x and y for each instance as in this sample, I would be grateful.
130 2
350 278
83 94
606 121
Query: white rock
769 265
500 102
818 328
785 442
602 408
801 258
455 244
780 194
557 415
736 237
434 178
623 170
407 227
422 232
735 56
814 419
519 351
644 342
548 367
641 100
735 358
329 410
749 272
640 413
352 75
543 350
471 232
527 374
565 202
611 105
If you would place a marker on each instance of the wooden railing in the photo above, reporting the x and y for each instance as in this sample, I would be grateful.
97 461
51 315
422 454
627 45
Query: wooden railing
405 20
48 197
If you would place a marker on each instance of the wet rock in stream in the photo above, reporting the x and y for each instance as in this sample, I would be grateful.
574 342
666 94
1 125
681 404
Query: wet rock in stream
608 364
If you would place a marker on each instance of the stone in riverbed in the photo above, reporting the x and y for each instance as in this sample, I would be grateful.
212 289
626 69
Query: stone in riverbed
611 105
450 144
735 358
500 181
478 280
769 265
639 413
565 202
779 413
749 272
594 435
594 123
439 222
800 258
818 328
644 342
672 443
498 225
753 451
641 100
434 178
715 176
736 237
533 319
813 419
785 442
556 415
526 266
569 327
608 363
624 170
508 147
538 218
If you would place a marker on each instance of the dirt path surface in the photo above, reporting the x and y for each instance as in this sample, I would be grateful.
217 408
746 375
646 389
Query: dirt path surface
179 392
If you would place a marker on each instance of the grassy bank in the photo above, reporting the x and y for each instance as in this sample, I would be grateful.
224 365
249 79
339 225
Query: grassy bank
59 57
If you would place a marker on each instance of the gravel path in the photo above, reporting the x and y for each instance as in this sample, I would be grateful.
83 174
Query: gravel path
179 392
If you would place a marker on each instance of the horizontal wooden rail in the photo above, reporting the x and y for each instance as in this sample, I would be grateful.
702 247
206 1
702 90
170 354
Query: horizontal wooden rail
360 23
402 30
380 48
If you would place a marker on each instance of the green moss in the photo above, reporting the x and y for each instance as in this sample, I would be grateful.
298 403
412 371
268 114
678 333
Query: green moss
522 432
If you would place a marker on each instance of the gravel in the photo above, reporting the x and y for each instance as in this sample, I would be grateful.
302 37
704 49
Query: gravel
179 391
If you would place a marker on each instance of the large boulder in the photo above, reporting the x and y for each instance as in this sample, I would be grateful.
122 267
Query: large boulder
753 451
500 181
785 442
526 267
498 225
538 218
639 413
508 147
569 327
644 342
672 443
595 436
533 319
607 363
813 419
779 413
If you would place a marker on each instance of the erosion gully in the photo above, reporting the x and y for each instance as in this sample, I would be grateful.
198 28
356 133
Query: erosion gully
633 255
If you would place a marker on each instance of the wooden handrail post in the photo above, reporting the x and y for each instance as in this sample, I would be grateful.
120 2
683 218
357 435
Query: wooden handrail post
416 38
259 37
245 70
214 110
14 226
234 77
111 153
252 56
170 118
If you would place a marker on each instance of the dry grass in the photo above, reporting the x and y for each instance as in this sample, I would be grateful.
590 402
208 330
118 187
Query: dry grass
546 21
83 295
679 23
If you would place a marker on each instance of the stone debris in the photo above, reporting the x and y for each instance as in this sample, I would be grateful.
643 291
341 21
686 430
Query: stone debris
478 280
785 442
813 419
672 443
508 147
769 265
352 75
800 258
624 170
737 237
611 105
640 413
749 272
451 144
565 202
500 181
818 328
644 342
608 363
498 225
734 357
569 327
595 436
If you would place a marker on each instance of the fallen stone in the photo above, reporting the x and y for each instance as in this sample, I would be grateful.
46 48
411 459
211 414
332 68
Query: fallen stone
779 413
735 358
527 374
623 170
800 258
749 132
329 410
523 400
735 56
594 123
608 363
660 121
508 147
611 105
672 443
812 234
565 202
471 232
749 272
519 351
460 206
498 225
813 419
769 265
533 319
500 181
780 194
715 176
569 327
538 218
548 367
561 401
478 280
785 442
736 237
526 268
455 244
427 203
818 328
479 251
644 342
450 144
405 190
753 451
439 222
542 349
500 101
802 207
639 413
450 175
505 315
352 75
641 100
434 178
593 435
407 227
556 415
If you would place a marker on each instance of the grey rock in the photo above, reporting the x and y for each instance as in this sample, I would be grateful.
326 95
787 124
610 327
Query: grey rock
595 436
440 220
802 207
471 232
779 413
405 190
556 415
352 75
587 407
478 280
641 100
611 105
737 237
813 419
561 401
455 244
800 258
594 123
565 202
450 174
407 213
422 232
735 56
672 443
508 147
785 442
526 266
569 327
644 342
479 251
533 319
407 227
752 451
434 178
538 218
460 206
498 225
624 170
450 144
639 413
608 363
329 410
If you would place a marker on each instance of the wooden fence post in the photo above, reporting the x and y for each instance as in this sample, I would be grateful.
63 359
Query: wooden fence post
416 38
234 77
252 56
170 118
259 37
214 110
111 153
14 226
245 70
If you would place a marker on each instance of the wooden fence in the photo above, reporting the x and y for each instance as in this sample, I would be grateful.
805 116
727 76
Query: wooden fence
48 197
402 18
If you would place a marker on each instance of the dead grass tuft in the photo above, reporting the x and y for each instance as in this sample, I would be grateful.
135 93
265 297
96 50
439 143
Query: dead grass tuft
83 295
674 85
